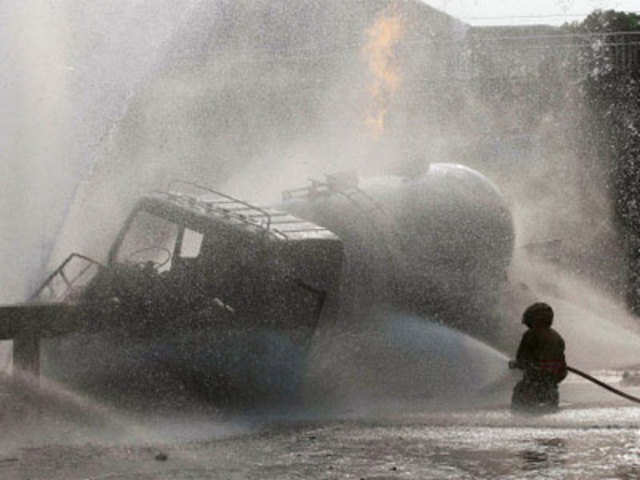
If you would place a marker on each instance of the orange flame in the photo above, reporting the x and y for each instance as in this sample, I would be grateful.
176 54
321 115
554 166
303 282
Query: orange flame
383 36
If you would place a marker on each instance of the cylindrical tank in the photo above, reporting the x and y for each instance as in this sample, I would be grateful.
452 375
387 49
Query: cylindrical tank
436 244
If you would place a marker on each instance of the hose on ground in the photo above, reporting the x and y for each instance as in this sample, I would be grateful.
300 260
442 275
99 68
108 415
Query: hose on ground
603 385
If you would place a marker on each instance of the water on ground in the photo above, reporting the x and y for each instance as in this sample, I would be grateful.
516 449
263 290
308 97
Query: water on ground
57 435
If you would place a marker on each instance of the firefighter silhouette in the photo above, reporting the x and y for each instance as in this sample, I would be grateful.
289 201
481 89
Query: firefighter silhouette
541 358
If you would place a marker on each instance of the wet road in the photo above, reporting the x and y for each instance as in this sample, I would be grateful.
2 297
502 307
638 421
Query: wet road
594 436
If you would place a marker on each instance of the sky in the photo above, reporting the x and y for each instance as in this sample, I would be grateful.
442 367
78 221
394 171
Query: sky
526 12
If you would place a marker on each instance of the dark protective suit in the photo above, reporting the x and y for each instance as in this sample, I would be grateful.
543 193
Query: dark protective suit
541 356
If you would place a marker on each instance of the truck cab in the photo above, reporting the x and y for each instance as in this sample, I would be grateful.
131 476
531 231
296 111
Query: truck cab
191 278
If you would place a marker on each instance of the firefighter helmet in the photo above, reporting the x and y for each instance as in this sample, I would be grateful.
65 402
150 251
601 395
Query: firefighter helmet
539 311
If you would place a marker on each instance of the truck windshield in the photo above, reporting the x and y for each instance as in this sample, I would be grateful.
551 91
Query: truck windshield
149 238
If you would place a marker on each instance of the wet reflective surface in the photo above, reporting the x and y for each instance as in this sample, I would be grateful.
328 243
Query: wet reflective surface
593 436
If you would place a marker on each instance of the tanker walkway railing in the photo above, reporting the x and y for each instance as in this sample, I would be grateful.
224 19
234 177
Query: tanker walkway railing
343 184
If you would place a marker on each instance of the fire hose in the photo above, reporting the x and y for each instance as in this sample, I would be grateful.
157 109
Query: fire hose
603 385
586 376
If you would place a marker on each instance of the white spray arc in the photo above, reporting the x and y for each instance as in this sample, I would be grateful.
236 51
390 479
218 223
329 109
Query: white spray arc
399 359
574 312
598 329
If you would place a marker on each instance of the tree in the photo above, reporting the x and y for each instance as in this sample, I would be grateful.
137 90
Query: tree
611 90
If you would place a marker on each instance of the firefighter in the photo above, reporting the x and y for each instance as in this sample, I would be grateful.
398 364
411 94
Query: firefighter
541 357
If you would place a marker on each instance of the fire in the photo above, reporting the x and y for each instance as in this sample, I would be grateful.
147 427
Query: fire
383 36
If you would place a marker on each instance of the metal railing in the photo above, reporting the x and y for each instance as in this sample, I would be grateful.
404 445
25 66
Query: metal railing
225 205
68 281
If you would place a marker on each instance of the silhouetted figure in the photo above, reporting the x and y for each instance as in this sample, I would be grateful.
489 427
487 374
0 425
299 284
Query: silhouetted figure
541 357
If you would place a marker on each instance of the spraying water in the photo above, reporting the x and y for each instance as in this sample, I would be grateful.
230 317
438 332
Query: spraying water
396 359
257 93
45 412
204 113
600 332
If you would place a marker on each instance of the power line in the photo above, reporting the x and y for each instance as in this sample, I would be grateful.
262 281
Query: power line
587 35
525 16
557 15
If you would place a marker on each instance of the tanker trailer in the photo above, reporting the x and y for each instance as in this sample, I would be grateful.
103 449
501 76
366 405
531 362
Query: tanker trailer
437 244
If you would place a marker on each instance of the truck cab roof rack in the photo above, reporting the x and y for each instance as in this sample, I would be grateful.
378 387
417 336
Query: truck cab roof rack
223 203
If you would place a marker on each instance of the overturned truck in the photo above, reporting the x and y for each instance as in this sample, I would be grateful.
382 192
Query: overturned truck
201 287
222 296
